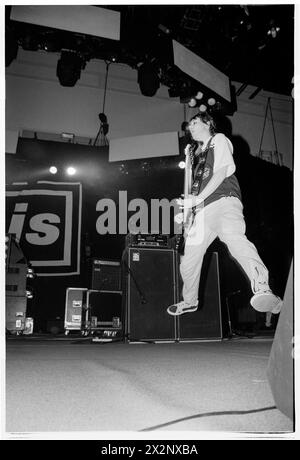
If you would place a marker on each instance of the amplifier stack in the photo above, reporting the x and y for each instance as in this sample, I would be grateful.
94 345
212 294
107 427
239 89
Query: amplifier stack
129 298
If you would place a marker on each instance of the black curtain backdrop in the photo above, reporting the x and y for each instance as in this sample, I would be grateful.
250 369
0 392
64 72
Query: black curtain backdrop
267 192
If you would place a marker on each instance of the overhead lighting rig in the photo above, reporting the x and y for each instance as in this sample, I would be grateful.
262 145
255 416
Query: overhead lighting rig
148 78
69 67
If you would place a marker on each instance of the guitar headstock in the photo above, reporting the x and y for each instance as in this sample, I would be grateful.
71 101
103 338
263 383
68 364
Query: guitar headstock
189 153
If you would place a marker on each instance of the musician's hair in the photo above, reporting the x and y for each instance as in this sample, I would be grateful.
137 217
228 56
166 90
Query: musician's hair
206 118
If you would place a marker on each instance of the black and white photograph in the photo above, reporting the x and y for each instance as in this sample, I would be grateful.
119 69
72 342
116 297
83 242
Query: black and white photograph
148 198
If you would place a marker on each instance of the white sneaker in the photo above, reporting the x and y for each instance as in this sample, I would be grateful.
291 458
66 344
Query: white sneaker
181 307
266 302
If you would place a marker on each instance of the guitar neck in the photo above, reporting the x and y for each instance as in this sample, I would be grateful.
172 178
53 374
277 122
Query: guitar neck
187 182
187 176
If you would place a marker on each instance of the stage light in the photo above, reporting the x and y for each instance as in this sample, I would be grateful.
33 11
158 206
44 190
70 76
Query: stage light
71 171
53 169
146 167
29 294
164 29
69 67
181 165
69 136
199 95
274 31
273 28
211 101
192 102
123 170
148 79
202 108
30 273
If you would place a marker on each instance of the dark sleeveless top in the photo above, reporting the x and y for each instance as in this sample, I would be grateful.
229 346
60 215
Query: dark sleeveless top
203 167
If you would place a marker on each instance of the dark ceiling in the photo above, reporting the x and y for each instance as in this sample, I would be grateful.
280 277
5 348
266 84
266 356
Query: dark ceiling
251 44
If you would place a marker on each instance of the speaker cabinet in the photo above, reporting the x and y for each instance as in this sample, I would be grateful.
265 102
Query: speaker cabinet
105 275
206 322
151 287
153 283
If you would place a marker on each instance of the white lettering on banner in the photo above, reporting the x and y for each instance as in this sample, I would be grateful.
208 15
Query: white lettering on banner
51 232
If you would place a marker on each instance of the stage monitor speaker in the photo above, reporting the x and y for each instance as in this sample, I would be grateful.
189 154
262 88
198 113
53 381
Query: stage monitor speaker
105 275
206 322
150 288
280 369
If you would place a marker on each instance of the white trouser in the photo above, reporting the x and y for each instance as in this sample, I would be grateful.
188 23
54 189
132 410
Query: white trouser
224 219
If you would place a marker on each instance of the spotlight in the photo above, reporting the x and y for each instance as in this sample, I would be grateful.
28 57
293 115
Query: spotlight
69 136
69 67
211 101
181 165
192 102
146 167
50 43
148 79
29 294
53 169
30 273
164 29
123 170
199 95
274 29
202 108
71 171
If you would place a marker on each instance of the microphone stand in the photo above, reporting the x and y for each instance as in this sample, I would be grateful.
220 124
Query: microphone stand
142 297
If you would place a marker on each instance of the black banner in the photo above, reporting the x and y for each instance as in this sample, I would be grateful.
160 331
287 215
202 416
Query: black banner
46 219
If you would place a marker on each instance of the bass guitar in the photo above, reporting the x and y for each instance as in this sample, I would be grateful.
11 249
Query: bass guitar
188 214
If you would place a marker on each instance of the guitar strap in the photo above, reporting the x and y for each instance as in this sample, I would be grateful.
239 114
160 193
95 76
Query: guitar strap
199 169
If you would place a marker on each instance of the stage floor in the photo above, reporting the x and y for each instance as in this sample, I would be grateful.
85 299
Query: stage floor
80 386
